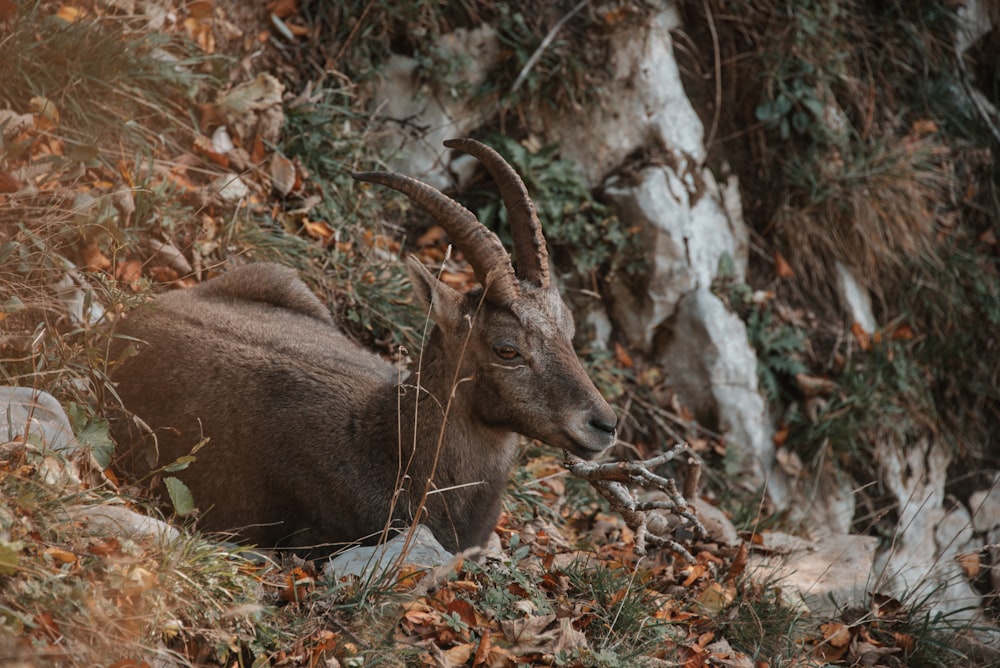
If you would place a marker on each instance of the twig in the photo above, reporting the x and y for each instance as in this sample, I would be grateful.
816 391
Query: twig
612 480
536 56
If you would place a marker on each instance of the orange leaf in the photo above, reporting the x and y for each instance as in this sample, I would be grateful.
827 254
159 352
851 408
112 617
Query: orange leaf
624 360
781 266
739 562
61 556
203 146
69 14
318 230
129 271
8 10
903 333
970 564
8 184
836 633
780 436
861 336
94 259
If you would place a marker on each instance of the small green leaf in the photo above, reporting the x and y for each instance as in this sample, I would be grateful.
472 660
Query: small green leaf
10 556
95 436
179 464
180 496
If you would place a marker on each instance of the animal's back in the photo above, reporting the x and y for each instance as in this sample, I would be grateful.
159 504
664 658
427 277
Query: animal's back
253 362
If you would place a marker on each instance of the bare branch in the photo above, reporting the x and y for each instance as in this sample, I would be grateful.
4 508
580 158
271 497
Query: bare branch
614 480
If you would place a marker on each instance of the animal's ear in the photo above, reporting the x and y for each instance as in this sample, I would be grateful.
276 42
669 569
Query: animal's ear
445 304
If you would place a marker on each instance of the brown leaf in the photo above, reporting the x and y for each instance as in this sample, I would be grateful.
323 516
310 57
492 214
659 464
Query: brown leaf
284 8
624 360
8 184
781 266
434 236
970 564
130 272
163 274
458 655
814 386
203 146
60 556
836 634
283 174
8 10
94 259
861 336
318 230
528 634
903 333
739 564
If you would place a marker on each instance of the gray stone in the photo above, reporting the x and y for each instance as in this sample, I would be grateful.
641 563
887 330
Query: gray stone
371 561
685 233
855 299
825 576
649 108
985 507
713 367
26 412
418 115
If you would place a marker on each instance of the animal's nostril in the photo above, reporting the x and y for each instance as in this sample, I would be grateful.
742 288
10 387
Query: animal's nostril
601 424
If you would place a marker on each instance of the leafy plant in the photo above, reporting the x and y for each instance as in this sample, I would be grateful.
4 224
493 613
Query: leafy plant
583 232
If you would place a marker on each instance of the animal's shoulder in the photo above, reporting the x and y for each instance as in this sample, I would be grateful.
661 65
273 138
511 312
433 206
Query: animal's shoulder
267 283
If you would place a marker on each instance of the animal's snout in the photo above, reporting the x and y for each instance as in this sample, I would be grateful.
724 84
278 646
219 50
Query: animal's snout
602 423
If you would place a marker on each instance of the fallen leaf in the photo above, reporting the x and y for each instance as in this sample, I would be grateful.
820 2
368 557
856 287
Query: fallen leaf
60 556
624 360
318 230
781 266
814 386
861 336
282 174
69 13
836 634
970 564
9 184
203 146
434 236
45 110
139 580
94 259
739 564
903 333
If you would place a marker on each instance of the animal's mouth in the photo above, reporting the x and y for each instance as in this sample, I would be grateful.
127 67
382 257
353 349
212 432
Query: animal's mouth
590 444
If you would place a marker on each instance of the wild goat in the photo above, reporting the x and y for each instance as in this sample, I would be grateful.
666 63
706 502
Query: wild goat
313 441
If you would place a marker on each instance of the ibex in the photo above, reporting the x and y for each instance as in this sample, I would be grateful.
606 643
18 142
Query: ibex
313 441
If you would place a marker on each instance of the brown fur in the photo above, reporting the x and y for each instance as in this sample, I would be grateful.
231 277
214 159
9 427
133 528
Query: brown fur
313 441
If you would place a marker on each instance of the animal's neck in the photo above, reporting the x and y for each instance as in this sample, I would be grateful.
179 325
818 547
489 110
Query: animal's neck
439 439
436 399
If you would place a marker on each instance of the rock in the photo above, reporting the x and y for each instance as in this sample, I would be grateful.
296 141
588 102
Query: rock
855 299
913 566
985 507
371 561
649 108
826 576
108 519
822 503
713 367
230 188
418 115
718 525
686 231
26 412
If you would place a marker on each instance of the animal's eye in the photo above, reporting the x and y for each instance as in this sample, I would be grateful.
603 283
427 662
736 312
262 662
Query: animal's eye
506 352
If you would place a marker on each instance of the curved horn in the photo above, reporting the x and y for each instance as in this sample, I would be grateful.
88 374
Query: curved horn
481 246
525 228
